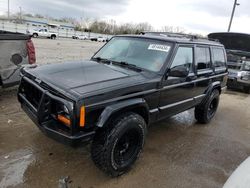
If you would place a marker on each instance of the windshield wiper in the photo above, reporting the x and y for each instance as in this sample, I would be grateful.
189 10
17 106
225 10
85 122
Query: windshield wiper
128 65
102 60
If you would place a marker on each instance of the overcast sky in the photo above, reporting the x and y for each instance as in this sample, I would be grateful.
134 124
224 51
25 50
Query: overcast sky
200 16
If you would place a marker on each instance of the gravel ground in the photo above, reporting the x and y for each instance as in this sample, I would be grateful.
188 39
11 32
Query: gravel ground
61 50
178 153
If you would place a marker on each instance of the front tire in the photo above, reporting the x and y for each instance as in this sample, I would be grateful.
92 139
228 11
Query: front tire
205 112
115 150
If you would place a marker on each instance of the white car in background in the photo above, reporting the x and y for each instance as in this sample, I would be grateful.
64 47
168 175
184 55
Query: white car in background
82 37
101 39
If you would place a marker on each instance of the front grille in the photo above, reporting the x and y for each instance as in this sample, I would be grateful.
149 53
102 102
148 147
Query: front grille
41 103
31 93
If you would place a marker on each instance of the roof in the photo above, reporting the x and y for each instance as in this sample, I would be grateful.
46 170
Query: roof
233 41
177 39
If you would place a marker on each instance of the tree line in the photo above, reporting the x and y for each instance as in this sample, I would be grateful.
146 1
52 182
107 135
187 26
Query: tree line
105 26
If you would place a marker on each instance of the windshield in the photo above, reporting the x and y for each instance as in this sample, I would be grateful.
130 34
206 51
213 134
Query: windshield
144 53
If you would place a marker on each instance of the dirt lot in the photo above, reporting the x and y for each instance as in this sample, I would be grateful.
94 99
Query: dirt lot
178 151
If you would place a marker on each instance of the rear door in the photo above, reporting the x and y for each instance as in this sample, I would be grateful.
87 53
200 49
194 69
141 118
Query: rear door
204 70
178 93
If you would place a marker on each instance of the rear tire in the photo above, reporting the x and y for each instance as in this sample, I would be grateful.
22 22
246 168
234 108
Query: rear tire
53 37
115 150
205 112
35 35
246 89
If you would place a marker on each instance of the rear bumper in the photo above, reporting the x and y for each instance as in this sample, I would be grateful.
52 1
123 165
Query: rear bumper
51 127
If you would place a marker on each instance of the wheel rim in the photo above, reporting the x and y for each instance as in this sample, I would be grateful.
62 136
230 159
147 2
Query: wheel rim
212 107
127 148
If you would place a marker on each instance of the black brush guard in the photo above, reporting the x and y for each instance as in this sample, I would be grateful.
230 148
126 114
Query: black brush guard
36 102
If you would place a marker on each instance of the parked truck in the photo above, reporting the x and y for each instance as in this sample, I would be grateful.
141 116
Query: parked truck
16 51
42 33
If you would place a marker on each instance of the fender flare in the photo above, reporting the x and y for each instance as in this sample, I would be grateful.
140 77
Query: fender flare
212 86
123 105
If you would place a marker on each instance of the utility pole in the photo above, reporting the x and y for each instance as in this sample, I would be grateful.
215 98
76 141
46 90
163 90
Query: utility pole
20 8
8 9
232 15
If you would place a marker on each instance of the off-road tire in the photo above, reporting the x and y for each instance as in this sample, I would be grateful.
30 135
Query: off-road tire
108 144
206 111
246 89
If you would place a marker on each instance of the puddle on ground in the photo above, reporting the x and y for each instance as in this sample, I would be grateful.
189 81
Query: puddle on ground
13 166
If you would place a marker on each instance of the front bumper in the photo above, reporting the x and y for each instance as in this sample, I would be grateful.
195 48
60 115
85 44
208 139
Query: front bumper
50 126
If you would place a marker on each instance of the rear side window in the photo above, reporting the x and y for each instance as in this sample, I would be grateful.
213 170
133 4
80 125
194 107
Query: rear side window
219 57
203 58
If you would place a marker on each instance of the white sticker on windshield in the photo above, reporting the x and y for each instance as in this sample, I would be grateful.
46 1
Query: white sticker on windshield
159 47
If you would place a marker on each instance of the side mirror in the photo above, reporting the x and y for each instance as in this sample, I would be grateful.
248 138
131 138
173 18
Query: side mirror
179 71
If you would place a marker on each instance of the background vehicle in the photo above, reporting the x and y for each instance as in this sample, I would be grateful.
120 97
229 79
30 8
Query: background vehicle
16 50
93 38
101 39
43 33
81 37
238 54
131 82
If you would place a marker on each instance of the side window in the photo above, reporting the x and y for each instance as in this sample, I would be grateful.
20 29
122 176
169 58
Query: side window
203 58
183 57
45 30
219 57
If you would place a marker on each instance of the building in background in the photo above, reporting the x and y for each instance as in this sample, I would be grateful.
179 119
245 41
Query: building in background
39 23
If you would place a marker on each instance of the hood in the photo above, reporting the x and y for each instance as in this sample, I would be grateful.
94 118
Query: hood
233 41
84 76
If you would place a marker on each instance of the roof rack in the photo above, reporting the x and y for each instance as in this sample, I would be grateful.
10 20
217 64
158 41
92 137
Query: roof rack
179 35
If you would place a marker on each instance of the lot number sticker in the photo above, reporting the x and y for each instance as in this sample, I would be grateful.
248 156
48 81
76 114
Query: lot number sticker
159 47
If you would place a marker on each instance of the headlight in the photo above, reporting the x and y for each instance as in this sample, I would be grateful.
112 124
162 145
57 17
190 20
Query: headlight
65 109
63 115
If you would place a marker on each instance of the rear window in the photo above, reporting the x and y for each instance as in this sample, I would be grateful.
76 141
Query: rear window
202 58
219 57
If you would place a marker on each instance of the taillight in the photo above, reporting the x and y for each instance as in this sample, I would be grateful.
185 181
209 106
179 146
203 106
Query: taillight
31 52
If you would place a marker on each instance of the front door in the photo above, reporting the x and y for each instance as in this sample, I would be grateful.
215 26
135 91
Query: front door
178 91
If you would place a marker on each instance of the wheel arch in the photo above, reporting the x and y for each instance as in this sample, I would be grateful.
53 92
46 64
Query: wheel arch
211 88
138 106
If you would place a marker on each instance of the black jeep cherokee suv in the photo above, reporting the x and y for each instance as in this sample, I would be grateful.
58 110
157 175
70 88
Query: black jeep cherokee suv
131 82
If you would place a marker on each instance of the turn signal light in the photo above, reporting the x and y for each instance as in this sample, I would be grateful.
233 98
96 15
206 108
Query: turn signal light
82 116
64 120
